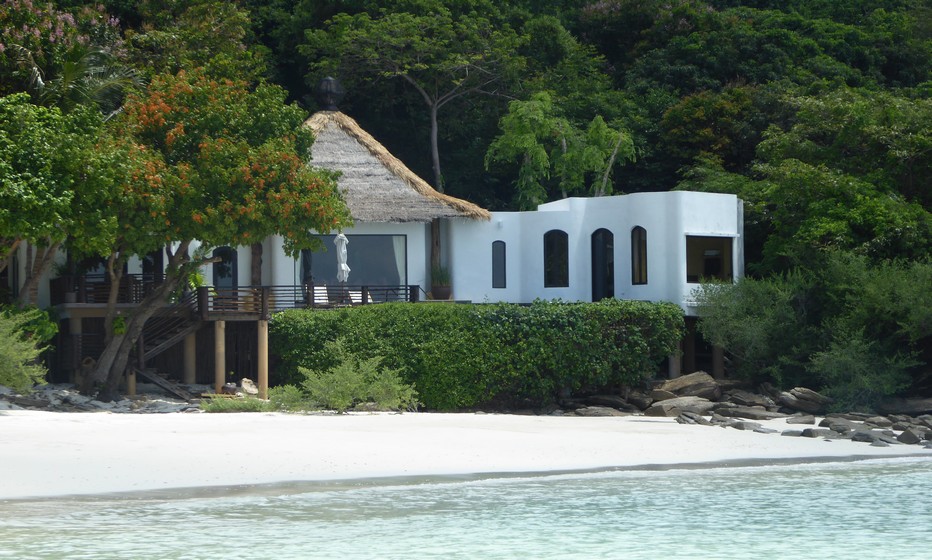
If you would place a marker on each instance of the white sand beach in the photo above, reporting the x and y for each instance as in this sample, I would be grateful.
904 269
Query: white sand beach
56 454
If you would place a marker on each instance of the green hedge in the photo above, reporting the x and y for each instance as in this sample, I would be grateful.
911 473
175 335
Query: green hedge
462 356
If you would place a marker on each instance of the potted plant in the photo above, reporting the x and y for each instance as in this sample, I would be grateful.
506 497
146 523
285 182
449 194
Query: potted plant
440 283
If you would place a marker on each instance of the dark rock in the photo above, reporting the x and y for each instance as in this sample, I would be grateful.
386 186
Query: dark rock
696 418
697 384
928 436
674 407
900 426
865 436
613 402
744 425
879 421
660 395
599 411
639 399
809 395
906 406
879 443
801 419
791 433
749 413
820 433
925 420
853 416
909 437
840 427
683 420
747 398
791 401
29 402
763 430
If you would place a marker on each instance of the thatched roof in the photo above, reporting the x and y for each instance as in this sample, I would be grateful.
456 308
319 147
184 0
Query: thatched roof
377 186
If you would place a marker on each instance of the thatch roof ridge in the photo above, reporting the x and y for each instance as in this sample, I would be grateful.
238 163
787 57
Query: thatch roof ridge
322 119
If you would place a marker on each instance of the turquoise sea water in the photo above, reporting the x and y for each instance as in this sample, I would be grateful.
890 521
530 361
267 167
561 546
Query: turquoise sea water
876 509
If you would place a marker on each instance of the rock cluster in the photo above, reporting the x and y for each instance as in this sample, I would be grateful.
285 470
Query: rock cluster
66 398
698 398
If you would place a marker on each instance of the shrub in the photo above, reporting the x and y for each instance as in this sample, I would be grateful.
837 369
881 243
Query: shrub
247 404
463 356
857 374
351 382
19 347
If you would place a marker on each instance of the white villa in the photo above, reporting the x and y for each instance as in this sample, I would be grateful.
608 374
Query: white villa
644 246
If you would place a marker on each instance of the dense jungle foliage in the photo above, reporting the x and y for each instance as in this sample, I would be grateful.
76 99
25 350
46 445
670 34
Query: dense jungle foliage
815 112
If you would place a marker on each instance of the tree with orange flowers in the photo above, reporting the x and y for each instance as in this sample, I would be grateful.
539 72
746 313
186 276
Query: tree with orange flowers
210 161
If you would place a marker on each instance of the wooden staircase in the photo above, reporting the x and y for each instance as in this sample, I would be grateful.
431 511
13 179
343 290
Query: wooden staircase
169 326
171 387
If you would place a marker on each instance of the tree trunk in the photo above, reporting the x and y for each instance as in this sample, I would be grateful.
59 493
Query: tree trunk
112 363
36 267
10 247
435 149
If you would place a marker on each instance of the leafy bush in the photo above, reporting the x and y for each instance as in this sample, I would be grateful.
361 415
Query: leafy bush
21 334
351 382
463 356
857 374
247 404
855 330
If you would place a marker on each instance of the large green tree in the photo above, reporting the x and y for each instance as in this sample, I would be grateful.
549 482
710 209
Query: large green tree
212 161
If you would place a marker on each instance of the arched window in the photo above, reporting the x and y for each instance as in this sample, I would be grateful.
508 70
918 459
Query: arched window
603 264
556 259
498 264
638 255
224 270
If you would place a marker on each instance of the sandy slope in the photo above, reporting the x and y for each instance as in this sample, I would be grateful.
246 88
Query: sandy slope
51 454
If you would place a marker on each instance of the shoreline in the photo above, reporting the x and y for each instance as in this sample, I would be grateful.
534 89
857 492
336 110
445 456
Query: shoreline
49 454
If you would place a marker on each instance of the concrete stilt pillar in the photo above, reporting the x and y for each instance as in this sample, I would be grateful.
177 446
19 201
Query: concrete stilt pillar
130 382
263 359
675 362
718 362
190 359
220 352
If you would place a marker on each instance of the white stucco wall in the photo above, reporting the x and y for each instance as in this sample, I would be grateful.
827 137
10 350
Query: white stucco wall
668 218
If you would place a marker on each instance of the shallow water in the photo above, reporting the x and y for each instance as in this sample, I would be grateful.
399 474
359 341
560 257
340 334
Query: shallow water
874 509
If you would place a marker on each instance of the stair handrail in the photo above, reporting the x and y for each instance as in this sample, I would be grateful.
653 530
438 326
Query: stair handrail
168 318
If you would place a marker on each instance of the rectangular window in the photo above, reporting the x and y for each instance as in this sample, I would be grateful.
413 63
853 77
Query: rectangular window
708 258
498 264
374 260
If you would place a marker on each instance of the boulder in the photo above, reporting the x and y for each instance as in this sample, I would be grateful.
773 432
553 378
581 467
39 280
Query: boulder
792 433
909 437
598 411
661 395
912 407
925 419
801 419
747 398
820 433
748 426
249 387
879 421
853 416
805 394
639 399
675 407
764 430
611 401
696 418
698 384
749 413
790 400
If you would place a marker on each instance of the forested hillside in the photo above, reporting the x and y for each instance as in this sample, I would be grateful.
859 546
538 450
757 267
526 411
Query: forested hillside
815 112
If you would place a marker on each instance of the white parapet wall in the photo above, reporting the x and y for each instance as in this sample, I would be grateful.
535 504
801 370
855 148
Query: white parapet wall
689 236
